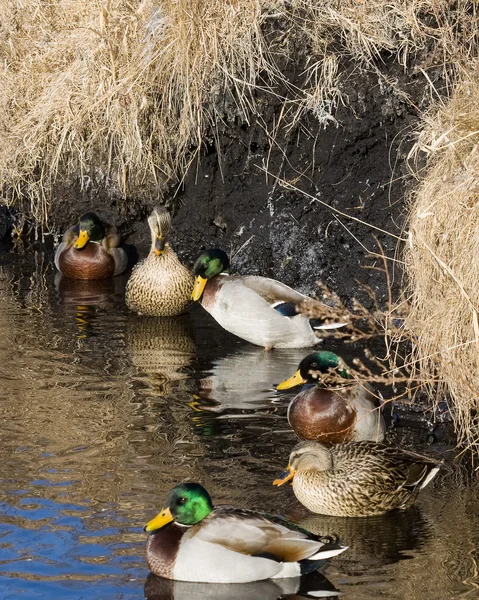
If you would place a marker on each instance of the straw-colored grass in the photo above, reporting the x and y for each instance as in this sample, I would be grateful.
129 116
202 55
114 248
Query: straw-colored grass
443 256
120 95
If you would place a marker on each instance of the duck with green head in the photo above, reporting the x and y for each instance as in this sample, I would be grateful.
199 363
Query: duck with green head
159 285
91 250
356 479
191 540
257 309
337 409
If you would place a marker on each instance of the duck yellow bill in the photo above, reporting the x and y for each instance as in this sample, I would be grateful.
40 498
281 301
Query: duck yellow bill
81 240
162 519
159 246
198 288
293 381
284 476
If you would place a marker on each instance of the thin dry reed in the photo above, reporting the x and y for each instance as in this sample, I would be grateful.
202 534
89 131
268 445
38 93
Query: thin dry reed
442 256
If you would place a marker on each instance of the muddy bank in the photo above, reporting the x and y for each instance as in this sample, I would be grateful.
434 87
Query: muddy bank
356 166
231 197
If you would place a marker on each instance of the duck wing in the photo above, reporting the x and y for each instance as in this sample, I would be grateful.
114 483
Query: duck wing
255 534
271 290
112 237
407 469
71 235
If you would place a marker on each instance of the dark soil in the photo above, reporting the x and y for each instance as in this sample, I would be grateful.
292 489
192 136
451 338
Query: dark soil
357 167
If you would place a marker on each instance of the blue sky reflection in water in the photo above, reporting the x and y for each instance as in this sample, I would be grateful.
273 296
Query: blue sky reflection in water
103 412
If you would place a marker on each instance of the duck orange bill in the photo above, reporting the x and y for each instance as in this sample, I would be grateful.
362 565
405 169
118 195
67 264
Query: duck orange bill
82 239
293 381
284 476
161 519
159 246
198 288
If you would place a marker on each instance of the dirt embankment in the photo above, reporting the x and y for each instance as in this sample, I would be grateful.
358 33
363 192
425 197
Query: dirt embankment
312 203
309 203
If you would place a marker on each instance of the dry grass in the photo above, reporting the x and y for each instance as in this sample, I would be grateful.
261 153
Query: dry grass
121 95
442 256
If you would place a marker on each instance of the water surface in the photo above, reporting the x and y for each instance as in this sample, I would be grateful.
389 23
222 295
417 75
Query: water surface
103 412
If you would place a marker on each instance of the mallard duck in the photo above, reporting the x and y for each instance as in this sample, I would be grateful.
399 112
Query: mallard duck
356 479
342 413
257 309
159 285
190 540
91 250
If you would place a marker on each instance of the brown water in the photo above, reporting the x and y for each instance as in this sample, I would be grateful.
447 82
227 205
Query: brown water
100 417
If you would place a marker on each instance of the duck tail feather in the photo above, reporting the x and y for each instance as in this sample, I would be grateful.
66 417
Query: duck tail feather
429 477
317 324
324 554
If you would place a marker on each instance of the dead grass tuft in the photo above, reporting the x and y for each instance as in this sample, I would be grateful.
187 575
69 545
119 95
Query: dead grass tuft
442 257
121 95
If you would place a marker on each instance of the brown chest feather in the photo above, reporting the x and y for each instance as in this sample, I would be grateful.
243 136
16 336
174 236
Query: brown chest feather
91 262
322 416
162 549
213 286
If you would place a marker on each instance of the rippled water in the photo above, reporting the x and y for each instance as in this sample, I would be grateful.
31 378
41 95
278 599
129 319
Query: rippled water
102 412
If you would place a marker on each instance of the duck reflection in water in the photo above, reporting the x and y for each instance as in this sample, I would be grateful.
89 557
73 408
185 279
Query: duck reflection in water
314 585
90 292
87 294
245 380
161 347
375 541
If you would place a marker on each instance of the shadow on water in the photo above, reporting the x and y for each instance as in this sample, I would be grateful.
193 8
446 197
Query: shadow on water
104 411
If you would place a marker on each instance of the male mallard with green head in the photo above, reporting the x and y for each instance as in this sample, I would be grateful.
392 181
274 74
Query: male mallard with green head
91 250
332 412
191 540
257 309
159 285
356 479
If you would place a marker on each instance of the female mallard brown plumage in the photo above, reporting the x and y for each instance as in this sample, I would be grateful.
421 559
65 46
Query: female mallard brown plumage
257 309
91 250
159 285
356 479
343 413
190 540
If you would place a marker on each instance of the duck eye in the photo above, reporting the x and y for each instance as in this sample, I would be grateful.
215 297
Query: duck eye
314 365
182 500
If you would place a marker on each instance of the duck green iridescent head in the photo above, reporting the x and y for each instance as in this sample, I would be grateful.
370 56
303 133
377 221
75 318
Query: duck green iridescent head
91 229
313 366
208 265
186 504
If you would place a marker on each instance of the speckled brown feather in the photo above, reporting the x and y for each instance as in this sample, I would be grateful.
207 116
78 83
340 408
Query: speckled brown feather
366 479
160 286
